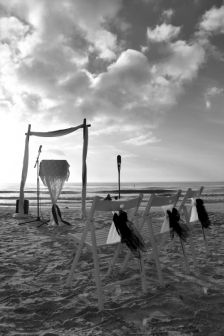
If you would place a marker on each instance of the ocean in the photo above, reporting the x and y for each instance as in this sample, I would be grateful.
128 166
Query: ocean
71 192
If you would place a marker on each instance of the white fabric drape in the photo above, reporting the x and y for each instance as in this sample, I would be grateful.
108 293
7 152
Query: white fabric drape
194 213
53 174
56 133
113 236
166 224
55 186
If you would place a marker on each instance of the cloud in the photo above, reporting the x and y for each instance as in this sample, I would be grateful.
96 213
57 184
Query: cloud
183 61
212 21
45 50
176 61
163 32
211 93
142 140
136 90
47 68
128 88
12 29
168 14
106 44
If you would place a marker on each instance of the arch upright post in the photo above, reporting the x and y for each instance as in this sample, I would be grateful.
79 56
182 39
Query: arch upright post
84 167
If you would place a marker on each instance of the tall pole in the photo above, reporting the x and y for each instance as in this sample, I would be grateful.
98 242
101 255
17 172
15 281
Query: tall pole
38 183
24 171
119 180
84 167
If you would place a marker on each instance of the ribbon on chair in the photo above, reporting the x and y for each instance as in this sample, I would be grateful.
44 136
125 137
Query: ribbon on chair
194 212
113 236
202 214
129 233
166 223
175 227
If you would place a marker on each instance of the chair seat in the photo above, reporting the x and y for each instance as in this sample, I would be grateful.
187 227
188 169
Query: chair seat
101 237
102 234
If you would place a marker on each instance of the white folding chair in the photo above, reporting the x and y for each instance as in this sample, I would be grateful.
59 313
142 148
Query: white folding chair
155 229
188 209
95 239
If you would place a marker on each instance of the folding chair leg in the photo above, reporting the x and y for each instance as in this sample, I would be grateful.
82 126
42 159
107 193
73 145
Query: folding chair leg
205 241
76 259
192 249
114 259
142 272
97 271
125 262
158 267
185 257
155 254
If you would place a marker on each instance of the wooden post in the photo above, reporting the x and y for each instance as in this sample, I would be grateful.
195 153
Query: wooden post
84 167
24 172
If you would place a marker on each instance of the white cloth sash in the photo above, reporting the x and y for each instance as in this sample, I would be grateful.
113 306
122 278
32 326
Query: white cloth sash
113 236
166 225
194 213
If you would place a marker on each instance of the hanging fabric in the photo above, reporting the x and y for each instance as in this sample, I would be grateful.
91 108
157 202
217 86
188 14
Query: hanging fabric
166 226
53 174
113 236
194 213
56 133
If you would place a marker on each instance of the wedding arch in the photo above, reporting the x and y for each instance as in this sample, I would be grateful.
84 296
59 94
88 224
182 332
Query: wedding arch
57 133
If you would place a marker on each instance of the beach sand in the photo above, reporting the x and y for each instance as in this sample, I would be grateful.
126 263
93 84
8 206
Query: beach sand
35 262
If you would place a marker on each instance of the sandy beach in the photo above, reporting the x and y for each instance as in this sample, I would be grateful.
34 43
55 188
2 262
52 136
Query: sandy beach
35 262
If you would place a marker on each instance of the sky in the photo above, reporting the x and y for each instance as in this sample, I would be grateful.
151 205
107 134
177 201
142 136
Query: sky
146 74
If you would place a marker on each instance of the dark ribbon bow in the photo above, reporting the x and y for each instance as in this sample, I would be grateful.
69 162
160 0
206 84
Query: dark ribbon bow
175 227
128 232
202 214
56 212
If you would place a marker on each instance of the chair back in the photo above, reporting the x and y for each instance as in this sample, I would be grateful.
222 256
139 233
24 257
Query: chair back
147 225
190 194
100 204
160 201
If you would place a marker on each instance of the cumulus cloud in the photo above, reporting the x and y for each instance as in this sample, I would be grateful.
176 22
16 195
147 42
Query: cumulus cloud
213 21
47 46
163 32
45 50
130 86
183 61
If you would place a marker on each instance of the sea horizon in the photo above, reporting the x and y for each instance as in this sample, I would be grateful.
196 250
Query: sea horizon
72 191
29 183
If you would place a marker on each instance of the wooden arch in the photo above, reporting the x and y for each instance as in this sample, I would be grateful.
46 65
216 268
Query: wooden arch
57 133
